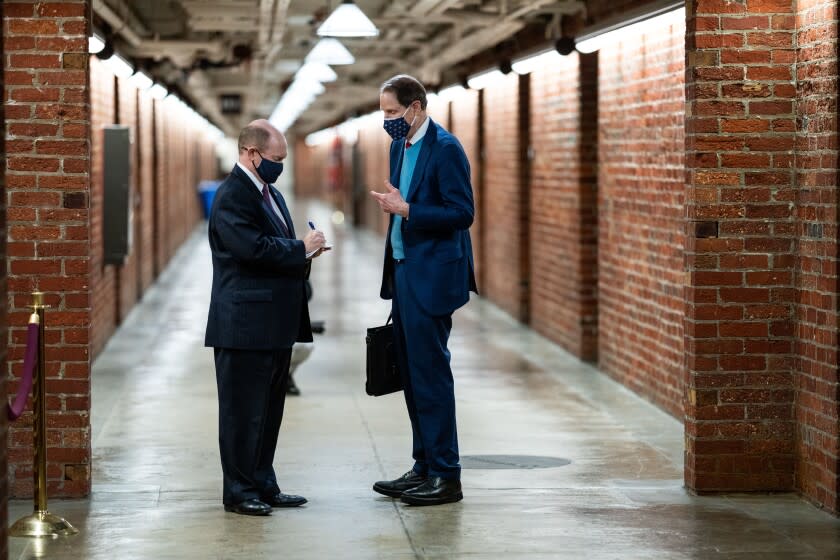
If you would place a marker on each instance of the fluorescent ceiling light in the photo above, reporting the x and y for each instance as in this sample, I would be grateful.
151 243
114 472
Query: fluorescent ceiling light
451 92
330 51
320 137
540 60
317 71
141 81
95 44
650 18
119 66
158 92
481 81
347 21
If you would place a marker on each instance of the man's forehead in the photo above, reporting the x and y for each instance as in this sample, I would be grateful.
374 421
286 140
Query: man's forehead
388 99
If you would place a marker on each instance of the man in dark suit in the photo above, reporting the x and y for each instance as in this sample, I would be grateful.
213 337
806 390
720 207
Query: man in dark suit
428 274
258 310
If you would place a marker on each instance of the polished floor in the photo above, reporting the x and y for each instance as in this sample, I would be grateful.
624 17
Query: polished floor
559 461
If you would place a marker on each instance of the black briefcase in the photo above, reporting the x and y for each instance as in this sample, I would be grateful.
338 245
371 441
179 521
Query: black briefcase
383 377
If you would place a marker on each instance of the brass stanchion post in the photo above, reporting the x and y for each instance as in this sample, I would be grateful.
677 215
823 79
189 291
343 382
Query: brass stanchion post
41 523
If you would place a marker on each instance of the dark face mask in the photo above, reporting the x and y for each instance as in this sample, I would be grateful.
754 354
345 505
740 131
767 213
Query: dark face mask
269 170
398 127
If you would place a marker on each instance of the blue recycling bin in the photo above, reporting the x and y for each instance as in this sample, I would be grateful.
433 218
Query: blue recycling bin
206 193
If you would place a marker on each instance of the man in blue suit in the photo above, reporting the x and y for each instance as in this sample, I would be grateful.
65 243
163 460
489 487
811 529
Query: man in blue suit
258 310
428 274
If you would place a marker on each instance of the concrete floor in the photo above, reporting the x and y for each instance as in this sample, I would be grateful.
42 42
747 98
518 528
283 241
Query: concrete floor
157 478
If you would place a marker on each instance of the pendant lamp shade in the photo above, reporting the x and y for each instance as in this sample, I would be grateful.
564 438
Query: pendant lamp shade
330 51
348 21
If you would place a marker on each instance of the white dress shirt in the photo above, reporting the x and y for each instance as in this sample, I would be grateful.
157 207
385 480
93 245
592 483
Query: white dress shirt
259 186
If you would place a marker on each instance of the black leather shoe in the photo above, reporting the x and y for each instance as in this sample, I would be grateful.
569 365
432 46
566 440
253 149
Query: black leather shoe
249 507
395 488
291 388
433 492
281 500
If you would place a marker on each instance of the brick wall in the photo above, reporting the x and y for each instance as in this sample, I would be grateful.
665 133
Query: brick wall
169 156
103 99
126 274
144 212
375 144
564 204
4 486
47 180
505 279
465 126
741 246
816 377
57 103
640 245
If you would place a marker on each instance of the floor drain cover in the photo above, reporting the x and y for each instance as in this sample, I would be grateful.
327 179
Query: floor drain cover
511 462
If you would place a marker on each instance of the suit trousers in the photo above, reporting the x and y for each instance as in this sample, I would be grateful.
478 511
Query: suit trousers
252 393
423 359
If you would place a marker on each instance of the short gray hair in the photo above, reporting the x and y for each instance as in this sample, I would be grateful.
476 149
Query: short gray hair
254 136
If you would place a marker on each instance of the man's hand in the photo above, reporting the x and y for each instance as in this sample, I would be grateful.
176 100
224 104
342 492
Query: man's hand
391 201
314 241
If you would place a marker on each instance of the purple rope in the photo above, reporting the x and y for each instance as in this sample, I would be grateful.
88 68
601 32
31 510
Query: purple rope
16 409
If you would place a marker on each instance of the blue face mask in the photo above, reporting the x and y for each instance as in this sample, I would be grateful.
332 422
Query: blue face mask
398 127
269 170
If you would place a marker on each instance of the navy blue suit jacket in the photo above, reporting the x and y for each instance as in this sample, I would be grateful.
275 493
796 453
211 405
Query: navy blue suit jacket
436 237
258 300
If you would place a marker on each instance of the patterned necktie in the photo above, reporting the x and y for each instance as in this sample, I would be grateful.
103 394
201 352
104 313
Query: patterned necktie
267 202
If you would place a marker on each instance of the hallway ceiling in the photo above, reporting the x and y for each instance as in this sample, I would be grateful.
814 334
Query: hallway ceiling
205 49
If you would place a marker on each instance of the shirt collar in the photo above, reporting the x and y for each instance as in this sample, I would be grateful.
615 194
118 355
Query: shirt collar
257 183
421 132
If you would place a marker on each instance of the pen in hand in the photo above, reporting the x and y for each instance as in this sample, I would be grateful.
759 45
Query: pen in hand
326 246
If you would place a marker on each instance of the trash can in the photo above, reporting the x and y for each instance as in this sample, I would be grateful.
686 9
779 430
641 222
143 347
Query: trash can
206 193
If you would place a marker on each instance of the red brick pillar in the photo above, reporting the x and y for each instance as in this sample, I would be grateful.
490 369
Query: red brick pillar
505 205
4 486
816 381
740 245
48 182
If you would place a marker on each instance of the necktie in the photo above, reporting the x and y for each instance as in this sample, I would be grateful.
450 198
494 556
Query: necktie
267 202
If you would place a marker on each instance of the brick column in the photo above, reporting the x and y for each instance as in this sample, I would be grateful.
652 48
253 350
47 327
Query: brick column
48 182
740 245
4 485
505 239
816 381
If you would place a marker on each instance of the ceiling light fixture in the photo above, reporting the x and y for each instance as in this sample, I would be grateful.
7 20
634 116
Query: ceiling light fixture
119 66
481 81
316 71
158 92
141 81
653 16
330 51
347 20
544 59
95 44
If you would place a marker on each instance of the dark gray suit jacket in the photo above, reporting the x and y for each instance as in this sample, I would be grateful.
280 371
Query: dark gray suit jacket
258 300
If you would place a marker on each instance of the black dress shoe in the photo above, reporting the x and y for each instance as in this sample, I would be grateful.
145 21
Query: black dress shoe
395 488
281 500
249 507
291 388
433 492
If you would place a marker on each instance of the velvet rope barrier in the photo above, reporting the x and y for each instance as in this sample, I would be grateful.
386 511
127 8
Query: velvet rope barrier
16 409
